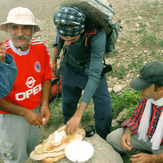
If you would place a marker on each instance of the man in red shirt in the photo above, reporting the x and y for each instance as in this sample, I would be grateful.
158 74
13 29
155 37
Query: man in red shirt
26 107
144 129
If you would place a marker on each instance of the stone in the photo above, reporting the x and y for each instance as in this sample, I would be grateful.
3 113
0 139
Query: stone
139 17
110 89
114 123
123 113
103 152
110 84
145 51
118 88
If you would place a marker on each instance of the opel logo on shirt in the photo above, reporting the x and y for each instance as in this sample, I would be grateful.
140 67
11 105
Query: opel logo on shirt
33 90
30 82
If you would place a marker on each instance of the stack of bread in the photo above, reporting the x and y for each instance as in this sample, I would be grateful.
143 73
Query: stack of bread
52 149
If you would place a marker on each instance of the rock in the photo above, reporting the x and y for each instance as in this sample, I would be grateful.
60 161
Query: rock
115 123
123 113
114 80
145 51
139 17
110 89
118 88
103 152
110 84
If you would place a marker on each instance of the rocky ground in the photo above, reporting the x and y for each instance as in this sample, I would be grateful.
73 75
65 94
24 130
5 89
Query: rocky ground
139 42
139 18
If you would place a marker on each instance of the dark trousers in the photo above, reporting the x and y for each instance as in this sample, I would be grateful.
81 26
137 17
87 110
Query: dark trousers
73 82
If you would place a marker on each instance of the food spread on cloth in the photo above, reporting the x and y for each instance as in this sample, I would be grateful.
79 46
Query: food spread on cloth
52 149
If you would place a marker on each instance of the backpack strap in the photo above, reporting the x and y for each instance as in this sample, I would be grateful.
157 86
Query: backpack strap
87 36
107 67
60 42
59 45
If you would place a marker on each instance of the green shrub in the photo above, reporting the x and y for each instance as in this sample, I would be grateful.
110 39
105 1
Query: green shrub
128 99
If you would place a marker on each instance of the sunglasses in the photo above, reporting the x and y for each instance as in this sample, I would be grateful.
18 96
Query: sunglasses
68 25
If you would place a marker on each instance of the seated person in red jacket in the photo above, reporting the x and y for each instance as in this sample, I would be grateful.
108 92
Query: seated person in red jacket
144 129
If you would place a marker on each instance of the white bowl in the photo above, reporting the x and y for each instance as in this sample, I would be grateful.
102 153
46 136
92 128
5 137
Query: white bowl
79 151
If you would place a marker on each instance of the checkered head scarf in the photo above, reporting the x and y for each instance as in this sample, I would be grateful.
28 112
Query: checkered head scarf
69 21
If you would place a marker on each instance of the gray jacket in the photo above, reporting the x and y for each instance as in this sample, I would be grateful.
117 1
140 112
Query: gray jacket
90 59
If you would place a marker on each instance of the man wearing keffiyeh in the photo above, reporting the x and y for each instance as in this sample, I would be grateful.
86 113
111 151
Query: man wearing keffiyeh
82 65
144 129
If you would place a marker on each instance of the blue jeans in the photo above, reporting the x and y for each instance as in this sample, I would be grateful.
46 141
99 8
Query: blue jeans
73 82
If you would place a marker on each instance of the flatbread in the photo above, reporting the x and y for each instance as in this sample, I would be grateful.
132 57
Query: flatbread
53 159
42 156
53 148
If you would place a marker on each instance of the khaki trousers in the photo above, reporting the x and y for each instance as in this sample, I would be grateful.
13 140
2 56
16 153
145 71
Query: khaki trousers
114 140
17 138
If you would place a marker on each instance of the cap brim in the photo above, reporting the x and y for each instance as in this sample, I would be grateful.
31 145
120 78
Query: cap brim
4 26
139 84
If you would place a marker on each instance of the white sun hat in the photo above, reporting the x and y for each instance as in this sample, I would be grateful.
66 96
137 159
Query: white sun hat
21 16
